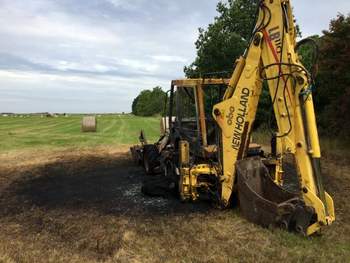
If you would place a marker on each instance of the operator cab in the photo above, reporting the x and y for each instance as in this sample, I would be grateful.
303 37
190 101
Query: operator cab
191 103
190 106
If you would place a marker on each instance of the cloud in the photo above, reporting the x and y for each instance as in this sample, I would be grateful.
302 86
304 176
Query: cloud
125 4
169 58
96 55
69 93
314 18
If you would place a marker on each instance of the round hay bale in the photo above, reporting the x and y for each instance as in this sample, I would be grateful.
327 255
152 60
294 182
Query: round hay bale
89 124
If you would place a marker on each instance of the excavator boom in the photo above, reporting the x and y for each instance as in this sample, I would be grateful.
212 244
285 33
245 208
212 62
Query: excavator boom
271 57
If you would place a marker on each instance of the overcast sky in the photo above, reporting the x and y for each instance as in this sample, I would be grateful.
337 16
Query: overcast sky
96 55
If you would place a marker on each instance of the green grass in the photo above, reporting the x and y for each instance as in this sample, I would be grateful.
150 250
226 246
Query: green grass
34 131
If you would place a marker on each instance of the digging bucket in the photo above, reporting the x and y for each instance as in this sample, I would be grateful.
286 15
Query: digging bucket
265 203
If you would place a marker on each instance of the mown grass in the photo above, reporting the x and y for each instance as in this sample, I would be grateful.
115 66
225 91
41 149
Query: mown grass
35 131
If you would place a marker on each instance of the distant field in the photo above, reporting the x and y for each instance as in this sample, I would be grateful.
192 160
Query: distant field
34 131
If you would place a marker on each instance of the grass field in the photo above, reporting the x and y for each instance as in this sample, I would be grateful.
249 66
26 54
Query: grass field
72 197
34 131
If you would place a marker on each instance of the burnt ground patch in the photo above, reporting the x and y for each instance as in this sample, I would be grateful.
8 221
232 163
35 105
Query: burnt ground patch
82 201
102 184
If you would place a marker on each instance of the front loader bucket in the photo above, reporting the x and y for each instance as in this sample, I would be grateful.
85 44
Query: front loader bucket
265 203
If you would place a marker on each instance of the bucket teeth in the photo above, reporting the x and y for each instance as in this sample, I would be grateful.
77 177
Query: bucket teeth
265 203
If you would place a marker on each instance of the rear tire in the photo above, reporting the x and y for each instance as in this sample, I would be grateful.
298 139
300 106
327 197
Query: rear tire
150 158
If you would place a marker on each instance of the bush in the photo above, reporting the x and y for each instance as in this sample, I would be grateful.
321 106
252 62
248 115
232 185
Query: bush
149 102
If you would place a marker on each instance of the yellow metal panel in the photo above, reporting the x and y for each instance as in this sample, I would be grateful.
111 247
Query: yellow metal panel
201 115
236 115
184 153
188 184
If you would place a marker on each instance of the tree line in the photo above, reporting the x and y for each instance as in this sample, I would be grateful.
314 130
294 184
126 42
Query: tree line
149 102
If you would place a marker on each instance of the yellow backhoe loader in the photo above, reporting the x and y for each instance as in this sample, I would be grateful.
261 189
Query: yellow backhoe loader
206 151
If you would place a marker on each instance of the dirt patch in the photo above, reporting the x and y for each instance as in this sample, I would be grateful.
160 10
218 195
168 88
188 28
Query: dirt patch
85 205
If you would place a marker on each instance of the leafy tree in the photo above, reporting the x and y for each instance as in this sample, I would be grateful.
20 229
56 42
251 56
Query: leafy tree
223 42
308 54
134 104
333 80
225 39
149 102
333 103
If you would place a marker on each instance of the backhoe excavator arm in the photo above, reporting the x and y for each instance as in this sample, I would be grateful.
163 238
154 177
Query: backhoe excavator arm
271 57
